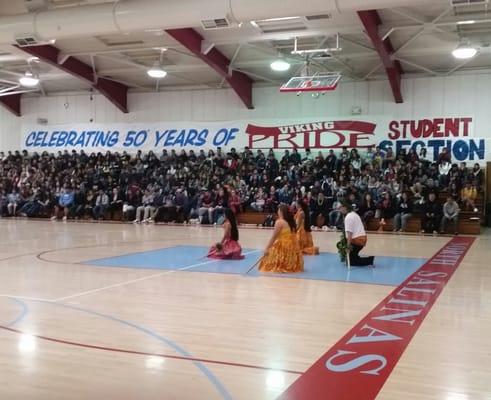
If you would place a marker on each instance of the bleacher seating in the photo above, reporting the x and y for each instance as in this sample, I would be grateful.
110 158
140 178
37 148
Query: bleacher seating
469 221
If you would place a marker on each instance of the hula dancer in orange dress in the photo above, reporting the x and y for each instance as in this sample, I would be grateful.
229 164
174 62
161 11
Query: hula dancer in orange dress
229 248
304 231
283 252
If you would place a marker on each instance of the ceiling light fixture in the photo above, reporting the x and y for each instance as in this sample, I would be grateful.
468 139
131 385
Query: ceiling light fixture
464 51
29 80
156 72
468 22
280 19
280 65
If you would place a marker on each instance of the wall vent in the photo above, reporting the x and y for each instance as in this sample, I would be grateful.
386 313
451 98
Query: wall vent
318 17
116 40
277 25
456 3
27 39
217 23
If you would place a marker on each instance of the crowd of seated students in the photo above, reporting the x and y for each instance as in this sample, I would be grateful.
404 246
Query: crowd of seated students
185 186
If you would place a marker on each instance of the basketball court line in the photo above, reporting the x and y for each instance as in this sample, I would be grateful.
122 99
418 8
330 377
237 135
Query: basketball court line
140 279
14 296
23 313
178 349
18 256
42 253
183 354
143 353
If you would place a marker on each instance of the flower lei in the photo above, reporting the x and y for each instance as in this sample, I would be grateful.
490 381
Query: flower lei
342 246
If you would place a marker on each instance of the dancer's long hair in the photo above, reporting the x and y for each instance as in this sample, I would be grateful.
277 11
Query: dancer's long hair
234 232
306 211
288 217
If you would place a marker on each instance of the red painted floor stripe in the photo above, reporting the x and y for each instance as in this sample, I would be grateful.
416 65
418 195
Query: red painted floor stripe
142 353
357 366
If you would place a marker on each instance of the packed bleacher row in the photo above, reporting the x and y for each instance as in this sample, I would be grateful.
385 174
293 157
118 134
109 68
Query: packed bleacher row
404 191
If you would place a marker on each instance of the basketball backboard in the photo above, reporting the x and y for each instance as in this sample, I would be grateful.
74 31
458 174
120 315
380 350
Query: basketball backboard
315 83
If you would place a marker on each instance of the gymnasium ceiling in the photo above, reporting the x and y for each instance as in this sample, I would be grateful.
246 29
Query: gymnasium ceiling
422 48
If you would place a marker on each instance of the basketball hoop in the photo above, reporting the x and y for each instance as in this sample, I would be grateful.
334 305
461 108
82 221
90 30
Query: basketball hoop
315 83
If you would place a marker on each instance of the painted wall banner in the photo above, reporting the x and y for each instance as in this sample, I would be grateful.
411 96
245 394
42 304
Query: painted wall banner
454 133
358 365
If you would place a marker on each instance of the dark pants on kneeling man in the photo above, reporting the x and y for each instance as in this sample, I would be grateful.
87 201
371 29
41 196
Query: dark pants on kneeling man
356 260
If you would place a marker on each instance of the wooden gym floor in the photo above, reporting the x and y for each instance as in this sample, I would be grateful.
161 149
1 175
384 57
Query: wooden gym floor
70 330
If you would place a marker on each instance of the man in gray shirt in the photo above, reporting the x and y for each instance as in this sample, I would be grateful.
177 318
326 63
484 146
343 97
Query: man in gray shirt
450 214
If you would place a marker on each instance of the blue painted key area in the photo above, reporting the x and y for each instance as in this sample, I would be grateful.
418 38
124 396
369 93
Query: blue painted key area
326 266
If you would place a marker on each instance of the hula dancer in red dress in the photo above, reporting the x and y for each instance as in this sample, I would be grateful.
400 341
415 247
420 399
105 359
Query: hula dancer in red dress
229 248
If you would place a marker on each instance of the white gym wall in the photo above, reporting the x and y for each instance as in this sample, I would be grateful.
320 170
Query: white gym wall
453 96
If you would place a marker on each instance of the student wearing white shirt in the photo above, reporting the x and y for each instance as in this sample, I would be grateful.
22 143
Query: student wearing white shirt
356 237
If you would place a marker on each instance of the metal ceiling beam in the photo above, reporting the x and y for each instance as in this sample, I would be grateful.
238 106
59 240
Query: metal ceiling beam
461 65
371 21
232 63
20 91
171 70
115 92
258 76
408 14
9 81
372 71
437 26
421 67
11 103
230 40
238 81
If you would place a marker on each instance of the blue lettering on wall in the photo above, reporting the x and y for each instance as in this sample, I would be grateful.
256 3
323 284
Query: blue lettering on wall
53 139
113 139
478 150
140 138
402 144
181 138
62 139
193 133
202 137
461 150
231 135
220 137
80 140
436 145
170 138
416 146
385 144
159 136
38 140
71 138
30 139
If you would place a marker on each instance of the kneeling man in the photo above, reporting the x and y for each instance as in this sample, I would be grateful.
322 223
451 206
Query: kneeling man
356 237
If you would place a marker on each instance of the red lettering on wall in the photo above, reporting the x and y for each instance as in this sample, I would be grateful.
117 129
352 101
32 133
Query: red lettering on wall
356 138
427 127
404 128
437 127
416 129
394 133
466 122
452 127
